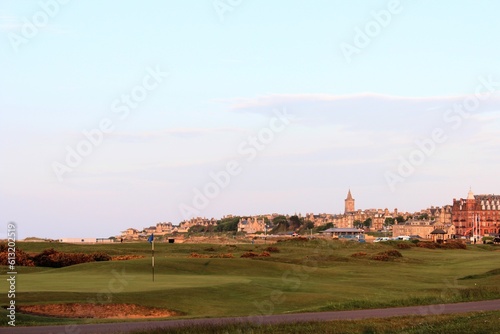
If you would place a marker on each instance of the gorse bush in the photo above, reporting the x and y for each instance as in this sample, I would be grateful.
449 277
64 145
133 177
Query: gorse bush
387 255
446 245
405 245
426 244
359 254
22 258
51 258
253 254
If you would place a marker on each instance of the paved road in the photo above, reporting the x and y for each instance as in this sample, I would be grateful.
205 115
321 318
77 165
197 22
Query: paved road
108 328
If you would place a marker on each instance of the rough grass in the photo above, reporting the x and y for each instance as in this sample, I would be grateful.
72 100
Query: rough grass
494 272
303 276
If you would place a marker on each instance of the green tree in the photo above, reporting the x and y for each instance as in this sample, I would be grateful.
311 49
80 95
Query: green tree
280 224
389 221
358 223
423 216
400 219
295 222
308 225
227 224
280 220
367 222
324 227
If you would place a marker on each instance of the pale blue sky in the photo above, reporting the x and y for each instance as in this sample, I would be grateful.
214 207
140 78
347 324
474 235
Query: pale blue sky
352 120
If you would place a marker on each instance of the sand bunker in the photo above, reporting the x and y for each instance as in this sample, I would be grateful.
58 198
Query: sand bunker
96 311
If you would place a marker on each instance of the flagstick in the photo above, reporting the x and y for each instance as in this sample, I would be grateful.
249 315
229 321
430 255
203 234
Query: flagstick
153 258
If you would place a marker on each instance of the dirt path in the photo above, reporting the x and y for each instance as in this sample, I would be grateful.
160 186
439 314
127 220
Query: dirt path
122 327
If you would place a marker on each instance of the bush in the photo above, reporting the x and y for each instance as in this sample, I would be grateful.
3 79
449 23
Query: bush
223 256
101 256
359 254
249 254
387 255
425 244
405 245
198 256
380 257
22 258
252 254
393 253
54 259
51 258
272 249
450 244
453 245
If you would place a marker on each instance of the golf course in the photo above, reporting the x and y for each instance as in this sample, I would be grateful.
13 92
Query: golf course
253 280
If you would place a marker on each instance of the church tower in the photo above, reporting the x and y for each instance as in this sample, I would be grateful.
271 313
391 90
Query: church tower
349 203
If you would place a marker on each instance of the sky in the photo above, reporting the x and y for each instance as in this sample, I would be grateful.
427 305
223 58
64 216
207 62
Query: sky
118 114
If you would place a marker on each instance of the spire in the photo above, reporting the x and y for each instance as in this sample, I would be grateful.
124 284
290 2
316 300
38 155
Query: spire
349 196
471 194
349 202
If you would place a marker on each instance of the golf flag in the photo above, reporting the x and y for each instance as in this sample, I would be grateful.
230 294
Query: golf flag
151 241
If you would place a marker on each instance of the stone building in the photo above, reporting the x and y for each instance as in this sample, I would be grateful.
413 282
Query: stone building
252 224
197 221
423 229
477 215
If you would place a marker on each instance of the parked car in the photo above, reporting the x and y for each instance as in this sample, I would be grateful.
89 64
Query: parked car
382 239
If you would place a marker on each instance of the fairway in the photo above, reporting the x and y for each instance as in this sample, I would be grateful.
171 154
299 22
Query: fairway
304 276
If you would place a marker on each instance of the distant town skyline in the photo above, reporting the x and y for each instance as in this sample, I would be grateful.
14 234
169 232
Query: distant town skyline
167 110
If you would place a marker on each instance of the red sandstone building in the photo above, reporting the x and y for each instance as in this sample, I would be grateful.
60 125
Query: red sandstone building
477 215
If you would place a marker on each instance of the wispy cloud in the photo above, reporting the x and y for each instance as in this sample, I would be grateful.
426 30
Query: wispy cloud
365 111
185 133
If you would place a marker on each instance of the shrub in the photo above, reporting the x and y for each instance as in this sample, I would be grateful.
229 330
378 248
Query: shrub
55 259
101 256
425 244
198 256
453 245
294 239
380 257
223 256
359 254
51 258
387 255
126 257
272 249
253 254
393 253
405 245
22 258
249 254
